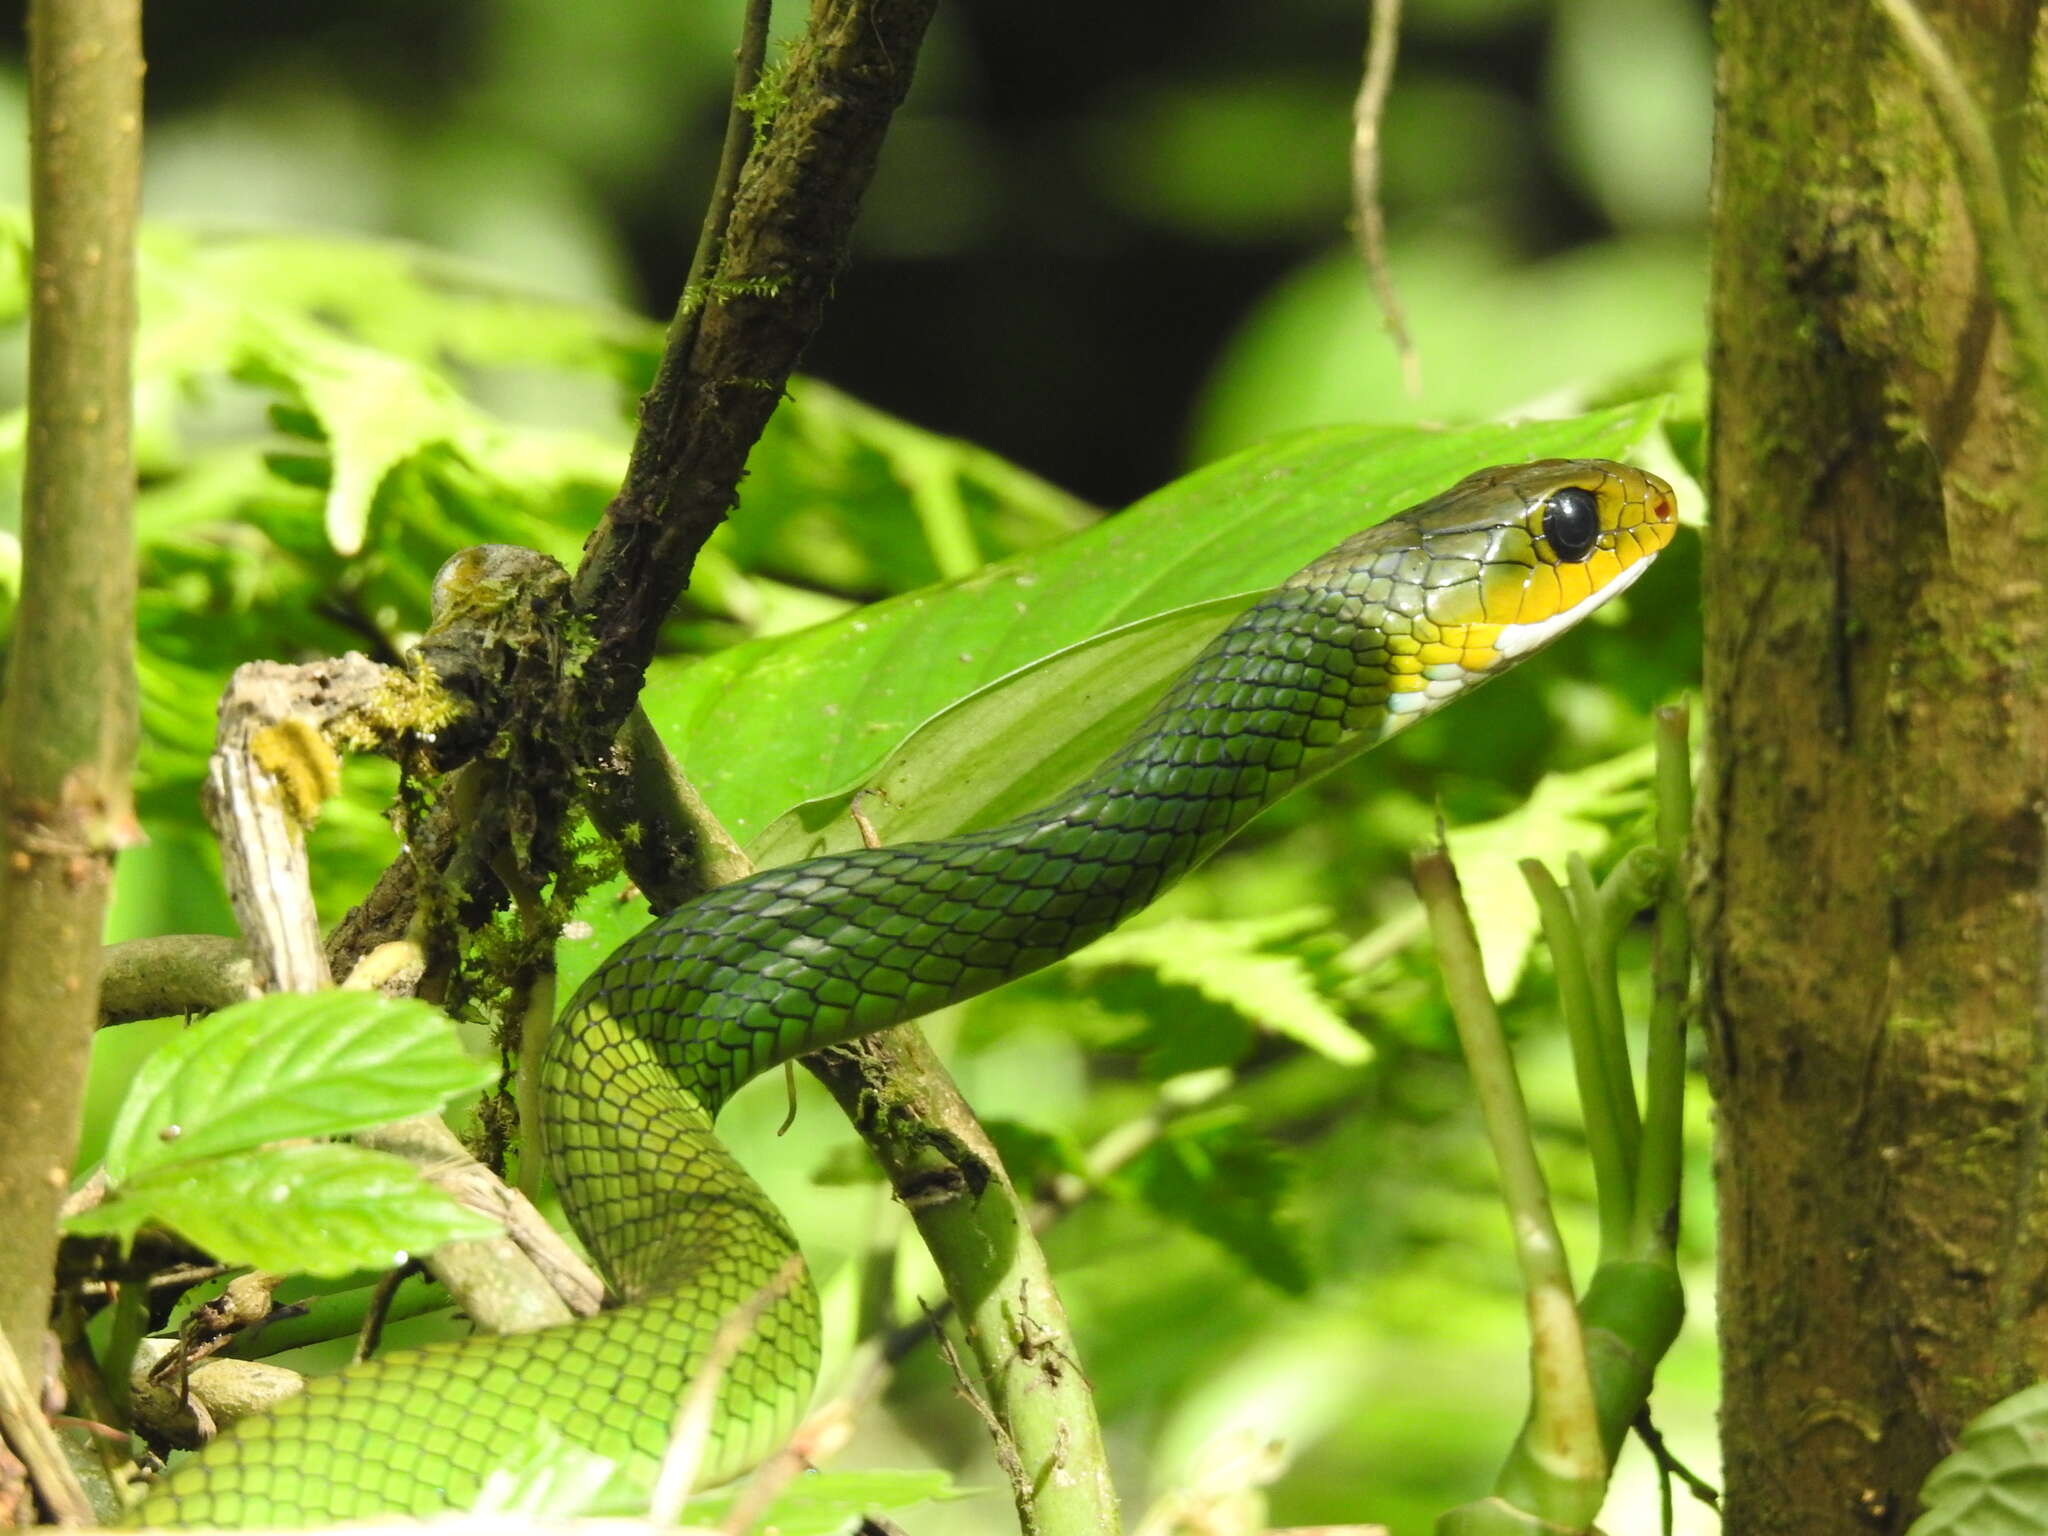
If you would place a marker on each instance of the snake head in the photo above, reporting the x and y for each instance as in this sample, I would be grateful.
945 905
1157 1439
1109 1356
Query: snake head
1492 570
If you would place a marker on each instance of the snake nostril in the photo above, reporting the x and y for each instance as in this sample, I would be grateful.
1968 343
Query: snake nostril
1661 509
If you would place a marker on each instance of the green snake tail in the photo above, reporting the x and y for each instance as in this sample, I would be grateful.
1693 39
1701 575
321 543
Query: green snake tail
1392 623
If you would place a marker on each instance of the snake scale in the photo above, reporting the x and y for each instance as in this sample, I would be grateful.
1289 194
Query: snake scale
1392 623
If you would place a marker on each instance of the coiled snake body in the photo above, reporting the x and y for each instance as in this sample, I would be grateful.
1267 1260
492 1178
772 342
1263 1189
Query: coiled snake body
1384 628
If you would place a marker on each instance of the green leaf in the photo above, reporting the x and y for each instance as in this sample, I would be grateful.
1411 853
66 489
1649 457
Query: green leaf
1244 965
317 1210
1212 1174
990 756
774 722
1566 813
285 1066
1034 1158
1995 1482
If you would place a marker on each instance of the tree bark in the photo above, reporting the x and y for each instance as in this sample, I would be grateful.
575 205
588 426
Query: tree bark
1874 854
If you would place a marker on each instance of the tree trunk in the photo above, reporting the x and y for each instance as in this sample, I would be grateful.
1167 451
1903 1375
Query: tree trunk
1875 853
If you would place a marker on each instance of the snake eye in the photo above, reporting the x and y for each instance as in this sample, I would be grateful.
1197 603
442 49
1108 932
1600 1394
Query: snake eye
1571 522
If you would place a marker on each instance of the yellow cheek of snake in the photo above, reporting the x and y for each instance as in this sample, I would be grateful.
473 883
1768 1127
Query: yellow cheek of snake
1501 593
1405 665
1602 566
1541 596
1407 682
1574 583
1470 646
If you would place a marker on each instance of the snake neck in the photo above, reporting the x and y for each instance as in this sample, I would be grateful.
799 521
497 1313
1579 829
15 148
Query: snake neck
817 953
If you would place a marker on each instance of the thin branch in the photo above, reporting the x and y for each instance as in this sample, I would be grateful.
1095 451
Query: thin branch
1668 1465
24 1429
172 974
1600 1093
1369 217
1663 1151
791 223
2007 265
739 135
67 720
371 1334
828 1427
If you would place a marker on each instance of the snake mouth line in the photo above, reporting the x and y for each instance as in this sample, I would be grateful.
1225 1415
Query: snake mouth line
1518 640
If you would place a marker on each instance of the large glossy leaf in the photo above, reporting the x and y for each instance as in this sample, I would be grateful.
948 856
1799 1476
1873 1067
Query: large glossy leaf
800 717
284 1066
991 756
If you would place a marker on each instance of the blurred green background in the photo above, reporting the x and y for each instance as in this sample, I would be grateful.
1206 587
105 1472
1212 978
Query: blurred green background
1107 244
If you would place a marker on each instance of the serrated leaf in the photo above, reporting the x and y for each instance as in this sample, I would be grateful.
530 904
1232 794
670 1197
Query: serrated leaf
1210 1173
1235 962
1995 1482
322 1209
1566 813
775 722
286 1066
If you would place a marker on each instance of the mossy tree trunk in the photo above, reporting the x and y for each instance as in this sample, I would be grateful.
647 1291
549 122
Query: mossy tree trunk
1875 860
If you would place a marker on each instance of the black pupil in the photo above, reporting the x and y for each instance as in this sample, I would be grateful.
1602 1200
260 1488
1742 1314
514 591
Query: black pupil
1571 522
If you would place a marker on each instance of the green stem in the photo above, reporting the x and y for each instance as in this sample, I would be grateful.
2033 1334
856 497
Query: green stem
1613 1179
948 1175
1657 1176
1598 935
67 720
1557 1469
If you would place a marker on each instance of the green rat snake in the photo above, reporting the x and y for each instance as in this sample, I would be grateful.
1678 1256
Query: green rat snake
1389 625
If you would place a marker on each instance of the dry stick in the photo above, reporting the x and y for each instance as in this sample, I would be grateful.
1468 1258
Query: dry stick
24 1429
67 723
528 1278
1368 216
